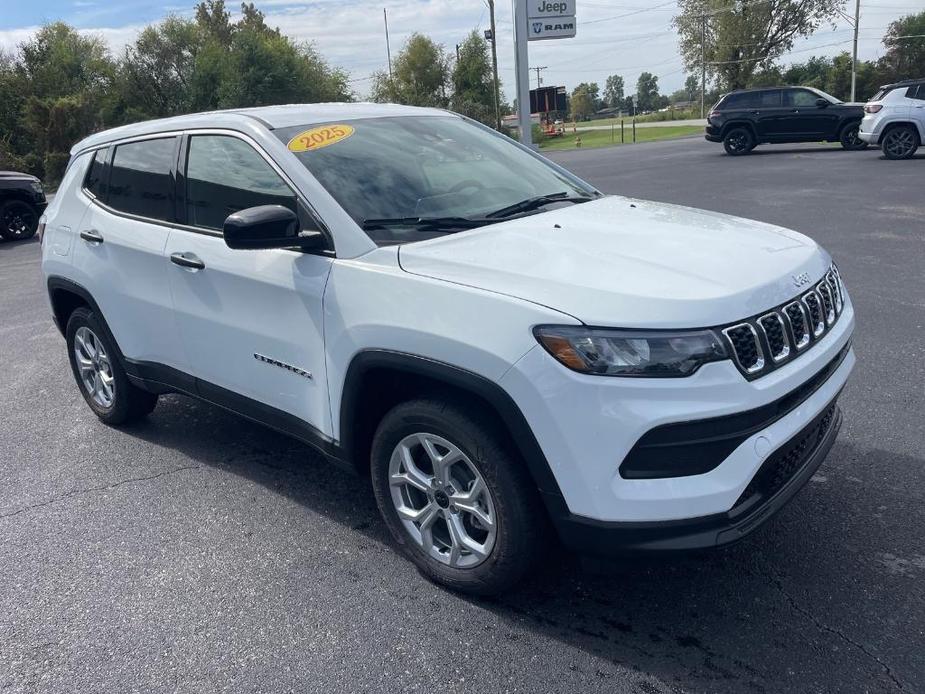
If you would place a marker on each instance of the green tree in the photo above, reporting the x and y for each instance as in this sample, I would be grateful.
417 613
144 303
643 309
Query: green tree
692 87
420 73
473 85
64 78
582 102
905 57
157 71
613 91
647 96
743 36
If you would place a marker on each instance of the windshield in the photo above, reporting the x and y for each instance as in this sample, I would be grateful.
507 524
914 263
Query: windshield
827 96
408 178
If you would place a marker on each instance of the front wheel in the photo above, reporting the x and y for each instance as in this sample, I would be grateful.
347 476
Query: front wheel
18 220
739 141
900 142
460 506
849 138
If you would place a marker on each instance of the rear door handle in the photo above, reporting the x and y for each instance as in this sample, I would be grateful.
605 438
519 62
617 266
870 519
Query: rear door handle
187 260
92 236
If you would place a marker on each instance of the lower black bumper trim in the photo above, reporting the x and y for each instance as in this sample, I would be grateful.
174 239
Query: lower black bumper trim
604 538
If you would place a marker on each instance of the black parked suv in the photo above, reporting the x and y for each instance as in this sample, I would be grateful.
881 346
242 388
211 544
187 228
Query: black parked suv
743 119
22 201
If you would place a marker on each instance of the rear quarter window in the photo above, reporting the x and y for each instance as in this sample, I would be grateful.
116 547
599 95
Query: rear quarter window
97 181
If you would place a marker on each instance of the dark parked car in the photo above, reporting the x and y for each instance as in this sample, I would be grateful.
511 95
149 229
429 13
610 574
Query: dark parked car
744 119
22 201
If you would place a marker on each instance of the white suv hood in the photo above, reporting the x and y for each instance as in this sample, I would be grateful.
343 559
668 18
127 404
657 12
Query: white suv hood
628 263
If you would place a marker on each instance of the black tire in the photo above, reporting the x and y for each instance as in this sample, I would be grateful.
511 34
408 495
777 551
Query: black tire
849 140
128 402
900 142
518 512
18 220
739 141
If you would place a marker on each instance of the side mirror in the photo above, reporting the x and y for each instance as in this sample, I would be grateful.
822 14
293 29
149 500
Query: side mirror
268 226
822 103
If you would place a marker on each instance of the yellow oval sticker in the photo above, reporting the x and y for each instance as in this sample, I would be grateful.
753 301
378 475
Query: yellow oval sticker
316 138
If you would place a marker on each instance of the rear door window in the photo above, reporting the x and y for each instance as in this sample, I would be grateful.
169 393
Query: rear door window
96 183
740 101
225 175
141 182
916 91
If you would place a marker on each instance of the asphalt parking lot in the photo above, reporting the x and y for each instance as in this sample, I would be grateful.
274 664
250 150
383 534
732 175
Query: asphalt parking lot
197 552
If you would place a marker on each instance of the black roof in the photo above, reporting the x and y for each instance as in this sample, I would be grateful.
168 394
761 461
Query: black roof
904 83
764 89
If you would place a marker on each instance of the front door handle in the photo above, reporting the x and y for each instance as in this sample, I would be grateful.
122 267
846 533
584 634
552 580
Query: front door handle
92 236
187 260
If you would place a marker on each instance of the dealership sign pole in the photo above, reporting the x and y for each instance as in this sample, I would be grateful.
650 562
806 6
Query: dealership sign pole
536 20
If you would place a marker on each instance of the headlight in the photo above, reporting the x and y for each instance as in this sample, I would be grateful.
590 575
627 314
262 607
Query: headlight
646 353
36 186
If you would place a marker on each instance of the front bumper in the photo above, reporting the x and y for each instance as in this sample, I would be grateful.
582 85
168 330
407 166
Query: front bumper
587 426
783 475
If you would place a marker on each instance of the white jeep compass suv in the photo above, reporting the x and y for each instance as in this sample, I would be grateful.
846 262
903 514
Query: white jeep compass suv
895 119
502 348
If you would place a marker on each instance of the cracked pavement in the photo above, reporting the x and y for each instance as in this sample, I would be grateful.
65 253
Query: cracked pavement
197 552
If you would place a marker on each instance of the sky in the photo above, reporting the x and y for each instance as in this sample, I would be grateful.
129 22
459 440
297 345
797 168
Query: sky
624 37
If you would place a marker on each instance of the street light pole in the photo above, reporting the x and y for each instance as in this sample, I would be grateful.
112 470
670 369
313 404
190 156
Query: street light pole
854 55
388 49
703 64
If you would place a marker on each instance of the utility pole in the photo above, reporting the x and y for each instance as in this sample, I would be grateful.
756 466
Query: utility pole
494 64
703 63
388 49
539 80
854 55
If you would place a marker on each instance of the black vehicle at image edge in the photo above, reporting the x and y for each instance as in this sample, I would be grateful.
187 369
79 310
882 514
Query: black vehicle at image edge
743 119
22 201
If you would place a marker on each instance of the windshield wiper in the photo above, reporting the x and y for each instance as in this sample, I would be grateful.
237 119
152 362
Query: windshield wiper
538 202
426 223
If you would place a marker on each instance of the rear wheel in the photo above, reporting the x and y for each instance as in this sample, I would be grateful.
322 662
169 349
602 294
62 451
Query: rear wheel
850 139
18 220
99 374
455 500
739 141
900 142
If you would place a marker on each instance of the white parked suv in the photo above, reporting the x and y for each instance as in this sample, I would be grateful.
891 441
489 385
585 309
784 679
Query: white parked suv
895 119
502 348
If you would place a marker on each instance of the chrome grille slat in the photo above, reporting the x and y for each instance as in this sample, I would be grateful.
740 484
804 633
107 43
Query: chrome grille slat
775 332
770 340
828 301
746 347
799 324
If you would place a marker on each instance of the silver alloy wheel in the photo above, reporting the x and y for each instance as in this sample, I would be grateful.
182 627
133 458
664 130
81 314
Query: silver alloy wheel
899 142
94 367
442 500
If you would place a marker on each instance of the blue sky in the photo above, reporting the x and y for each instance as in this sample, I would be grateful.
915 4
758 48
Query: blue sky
614 36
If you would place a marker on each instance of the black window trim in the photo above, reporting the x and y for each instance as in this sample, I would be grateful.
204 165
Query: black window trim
178 177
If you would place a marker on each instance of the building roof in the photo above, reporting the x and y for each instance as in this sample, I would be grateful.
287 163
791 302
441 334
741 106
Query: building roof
270 117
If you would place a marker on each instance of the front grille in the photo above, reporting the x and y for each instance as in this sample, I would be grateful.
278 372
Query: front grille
772 339
789 459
